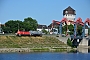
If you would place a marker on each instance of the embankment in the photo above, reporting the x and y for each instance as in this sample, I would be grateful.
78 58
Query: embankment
31 44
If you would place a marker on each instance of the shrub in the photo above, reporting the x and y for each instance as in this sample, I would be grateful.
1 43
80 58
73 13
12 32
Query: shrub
44 31
69 42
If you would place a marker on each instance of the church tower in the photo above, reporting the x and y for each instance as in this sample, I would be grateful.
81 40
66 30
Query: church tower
70 14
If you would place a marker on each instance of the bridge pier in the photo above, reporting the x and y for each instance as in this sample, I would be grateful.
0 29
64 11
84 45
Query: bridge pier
83 46
80 42
83 50
84 42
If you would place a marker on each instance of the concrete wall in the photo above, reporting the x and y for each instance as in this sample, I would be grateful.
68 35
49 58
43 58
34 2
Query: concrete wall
84 42
83 50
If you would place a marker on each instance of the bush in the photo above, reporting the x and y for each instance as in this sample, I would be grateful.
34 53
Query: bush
44 31
69 42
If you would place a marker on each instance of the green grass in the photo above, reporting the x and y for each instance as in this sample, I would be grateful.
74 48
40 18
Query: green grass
29 42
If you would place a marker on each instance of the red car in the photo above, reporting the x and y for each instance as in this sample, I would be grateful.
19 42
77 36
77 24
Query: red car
23 33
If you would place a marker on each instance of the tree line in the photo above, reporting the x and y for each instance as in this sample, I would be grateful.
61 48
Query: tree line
12 26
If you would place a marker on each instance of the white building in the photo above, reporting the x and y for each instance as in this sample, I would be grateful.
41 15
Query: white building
41 27
70 14
53 28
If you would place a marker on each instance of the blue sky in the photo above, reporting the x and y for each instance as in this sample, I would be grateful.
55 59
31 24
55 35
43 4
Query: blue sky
44 11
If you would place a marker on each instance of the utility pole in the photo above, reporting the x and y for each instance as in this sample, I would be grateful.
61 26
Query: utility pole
18 26
0 26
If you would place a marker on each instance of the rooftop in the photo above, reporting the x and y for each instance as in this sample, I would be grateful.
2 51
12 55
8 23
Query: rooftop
69 9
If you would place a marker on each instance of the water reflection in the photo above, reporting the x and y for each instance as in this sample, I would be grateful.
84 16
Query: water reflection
81 50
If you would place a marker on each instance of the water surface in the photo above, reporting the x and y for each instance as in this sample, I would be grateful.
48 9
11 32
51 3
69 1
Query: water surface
45 56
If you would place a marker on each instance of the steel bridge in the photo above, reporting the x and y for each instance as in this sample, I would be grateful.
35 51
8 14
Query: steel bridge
75 38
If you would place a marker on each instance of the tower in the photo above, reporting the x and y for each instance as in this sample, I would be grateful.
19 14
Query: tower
70 14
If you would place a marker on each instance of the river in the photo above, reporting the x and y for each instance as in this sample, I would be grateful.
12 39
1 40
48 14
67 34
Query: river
45 56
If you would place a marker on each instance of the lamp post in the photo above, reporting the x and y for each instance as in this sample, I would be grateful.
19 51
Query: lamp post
42 29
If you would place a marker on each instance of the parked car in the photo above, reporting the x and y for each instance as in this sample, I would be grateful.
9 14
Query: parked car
35 33
29 33
1 33
23 33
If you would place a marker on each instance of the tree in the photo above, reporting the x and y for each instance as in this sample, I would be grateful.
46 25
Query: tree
64 29
79 29
69 42
12 26
30 24
71 29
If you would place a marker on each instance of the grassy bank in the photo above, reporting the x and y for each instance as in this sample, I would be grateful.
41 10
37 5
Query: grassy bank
34 43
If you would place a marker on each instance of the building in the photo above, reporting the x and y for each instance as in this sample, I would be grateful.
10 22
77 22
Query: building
41 27
70 14
53 28
53 25
86 30
49 28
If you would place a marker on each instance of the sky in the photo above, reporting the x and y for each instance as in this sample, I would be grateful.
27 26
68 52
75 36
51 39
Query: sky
44 11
